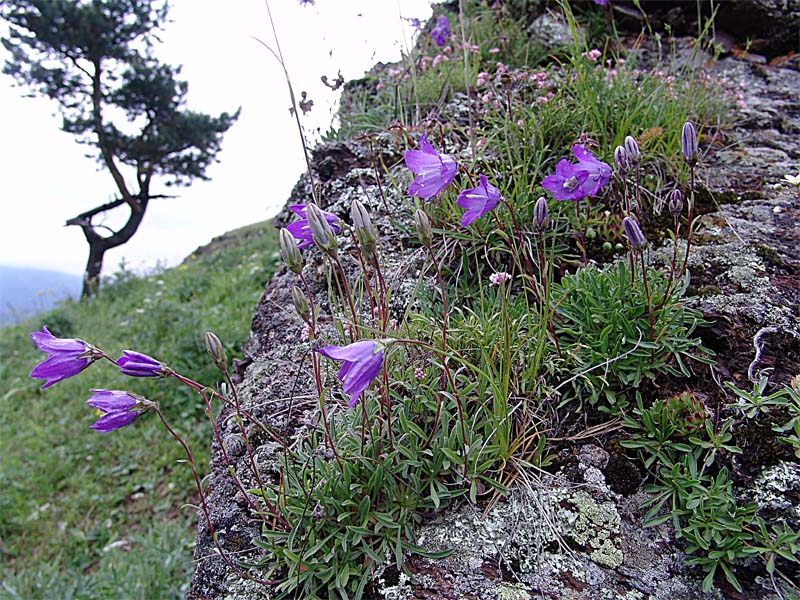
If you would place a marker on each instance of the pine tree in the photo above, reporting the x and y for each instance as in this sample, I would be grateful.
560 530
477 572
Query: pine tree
95 58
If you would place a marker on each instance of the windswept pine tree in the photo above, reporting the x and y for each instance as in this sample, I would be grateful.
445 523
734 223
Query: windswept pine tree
96 59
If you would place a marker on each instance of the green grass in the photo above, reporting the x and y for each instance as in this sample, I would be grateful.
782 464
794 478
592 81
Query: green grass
84 514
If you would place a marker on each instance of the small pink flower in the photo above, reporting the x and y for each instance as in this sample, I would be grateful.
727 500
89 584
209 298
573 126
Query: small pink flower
495 279
305 332
379 86
494 50
482 78
419 373
592 54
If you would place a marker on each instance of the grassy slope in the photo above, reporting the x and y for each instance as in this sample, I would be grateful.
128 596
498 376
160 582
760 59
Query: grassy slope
84 514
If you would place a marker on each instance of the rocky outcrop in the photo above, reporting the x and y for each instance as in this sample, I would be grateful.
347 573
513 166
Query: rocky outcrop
570 534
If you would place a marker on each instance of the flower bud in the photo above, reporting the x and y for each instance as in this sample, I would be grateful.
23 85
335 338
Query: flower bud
290 253
321 230
365 230
301 304
423 228
216 350
676 202
621 158
541 211
634 232
689 142
632 149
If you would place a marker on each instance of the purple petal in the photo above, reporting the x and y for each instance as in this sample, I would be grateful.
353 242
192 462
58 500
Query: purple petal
361 365
114 420
136 364
47 342
478 201
355 351
583 155
360 376
111 401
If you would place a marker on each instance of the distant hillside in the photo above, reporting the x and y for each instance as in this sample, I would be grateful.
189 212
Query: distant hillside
25 292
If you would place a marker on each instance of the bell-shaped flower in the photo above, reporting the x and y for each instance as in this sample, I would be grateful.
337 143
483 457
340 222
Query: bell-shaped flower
118 409
66 357
575 181
136 364
567 183
434 171
362 362
441 31
478 201
301 230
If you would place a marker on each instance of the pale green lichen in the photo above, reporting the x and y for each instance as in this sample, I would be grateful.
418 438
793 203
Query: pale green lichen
593 525
510 591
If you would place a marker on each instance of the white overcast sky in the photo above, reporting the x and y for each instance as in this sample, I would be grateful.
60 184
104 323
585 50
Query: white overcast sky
46 179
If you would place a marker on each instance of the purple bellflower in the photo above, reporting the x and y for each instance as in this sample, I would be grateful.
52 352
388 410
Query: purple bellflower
601 2
301 230
441 31
478 201
66 357
575 181
117 408
362 363
136 364
434 171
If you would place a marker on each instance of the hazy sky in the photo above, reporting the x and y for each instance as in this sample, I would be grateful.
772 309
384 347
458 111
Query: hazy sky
46 179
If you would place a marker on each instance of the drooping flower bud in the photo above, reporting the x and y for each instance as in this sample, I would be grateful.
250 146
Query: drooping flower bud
541 211
290 253
634 232
689 142
676 202
216 350
621 158
301 304
424 231
632 149
321 230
